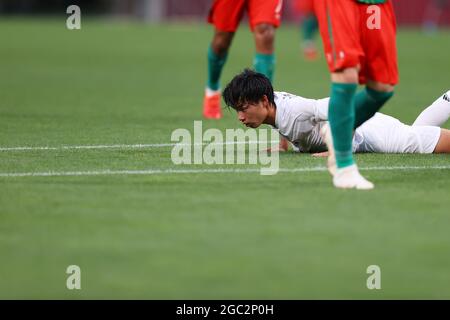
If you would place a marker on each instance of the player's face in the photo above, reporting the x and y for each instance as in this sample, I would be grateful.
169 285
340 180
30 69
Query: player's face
252 114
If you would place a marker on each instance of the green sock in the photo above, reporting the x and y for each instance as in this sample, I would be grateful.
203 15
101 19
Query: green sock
265 64
309 27
341 115
367 103
215 65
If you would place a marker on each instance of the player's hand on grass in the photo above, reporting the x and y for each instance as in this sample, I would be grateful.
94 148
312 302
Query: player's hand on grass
320 154
283 146
276 149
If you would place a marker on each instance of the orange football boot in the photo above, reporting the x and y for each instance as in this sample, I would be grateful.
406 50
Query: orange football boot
211 106
310 52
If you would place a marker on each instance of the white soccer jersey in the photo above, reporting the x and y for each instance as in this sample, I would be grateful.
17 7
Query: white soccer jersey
299 120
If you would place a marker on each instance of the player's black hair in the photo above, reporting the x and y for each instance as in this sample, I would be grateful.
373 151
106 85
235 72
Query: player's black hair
247 87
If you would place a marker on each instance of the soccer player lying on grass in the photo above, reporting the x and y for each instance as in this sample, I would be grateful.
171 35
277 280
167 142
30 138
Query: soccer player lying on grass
300 120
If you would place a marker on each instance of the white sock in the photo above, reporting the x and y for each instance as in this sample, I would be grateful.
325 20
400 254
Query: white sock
209 92
436 114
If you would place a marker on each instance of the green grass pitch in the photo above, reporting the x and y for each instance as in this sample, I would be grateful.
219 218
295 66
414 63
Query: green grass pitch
202 235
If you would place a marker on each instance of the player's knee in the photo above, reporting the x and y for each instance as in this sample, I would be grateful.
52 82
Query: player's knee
380 92
380 87
222 42
348 75
264 34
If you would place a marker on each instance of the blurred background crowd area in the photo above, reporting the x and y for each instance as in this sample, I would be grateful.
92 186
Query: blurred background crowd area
428 13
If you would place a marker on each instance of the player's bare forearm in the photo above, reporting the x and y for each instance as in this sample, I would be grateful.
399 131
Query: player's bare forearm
321 154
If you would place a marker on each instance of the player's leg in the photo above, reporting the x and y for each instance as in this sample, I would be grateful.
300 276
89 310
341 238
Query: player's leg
379 68
430 139
309 29
340 34
217 56
386 134
264 60
342 51
264 18
341 121
341 114
369 100
225 15
443 145
436 114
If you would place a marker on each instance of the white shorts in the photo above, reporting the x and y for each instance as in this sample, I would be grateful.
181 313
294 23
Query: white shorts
385 134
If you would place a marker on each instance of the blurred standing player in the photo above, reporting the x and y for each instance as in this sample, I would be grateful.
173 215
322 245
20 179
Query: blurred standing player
264 16
433 13
359 43
308 27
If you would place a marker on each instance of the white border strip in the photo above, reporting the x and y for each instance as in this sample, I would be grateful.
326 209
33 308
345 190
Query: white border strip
125 146
199 171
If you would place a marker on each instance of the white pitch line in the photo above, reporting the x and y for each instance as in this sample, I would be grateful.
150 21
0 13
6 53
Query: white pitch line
199 171
123 146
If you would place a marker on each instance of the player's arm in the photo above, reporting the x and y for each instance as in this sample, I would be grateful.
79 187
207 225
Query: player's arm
321 154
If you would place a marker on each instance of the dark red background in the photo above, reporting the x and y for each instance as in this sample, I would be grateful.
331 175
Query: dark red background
408 12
